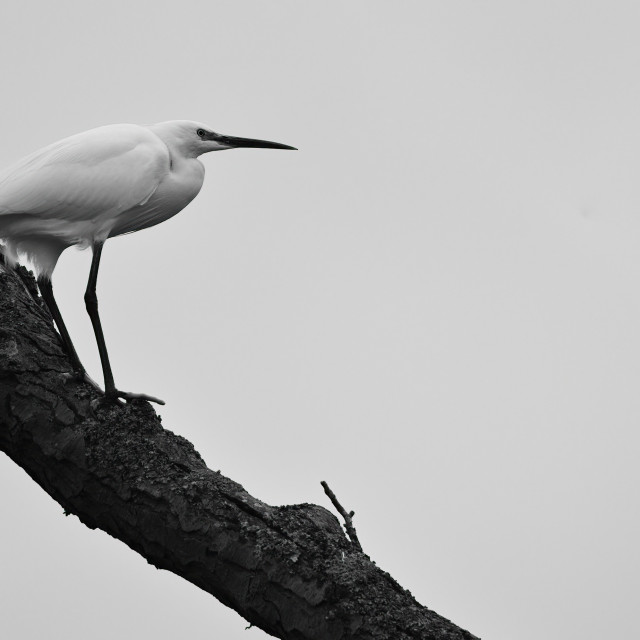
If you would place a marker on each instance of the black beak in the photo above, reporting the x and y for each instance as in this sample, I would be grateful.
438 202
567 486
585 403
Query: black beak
233 142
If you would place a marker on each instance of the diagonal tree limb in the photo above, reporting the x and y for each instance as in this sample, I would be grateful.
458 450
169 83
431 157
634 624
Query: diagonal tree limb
289 570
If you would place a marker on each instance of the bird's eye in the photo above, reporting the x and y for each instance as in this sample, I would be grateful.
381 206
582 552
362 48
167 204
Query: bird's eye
201 132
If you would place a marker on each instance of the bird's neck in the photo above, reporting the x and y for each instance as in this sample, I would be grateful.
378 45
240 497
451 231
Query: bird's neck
176 143
179 163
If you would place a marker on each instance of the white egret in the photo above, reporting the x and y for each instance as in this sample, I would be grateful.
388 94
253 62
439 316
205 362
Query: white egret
96 185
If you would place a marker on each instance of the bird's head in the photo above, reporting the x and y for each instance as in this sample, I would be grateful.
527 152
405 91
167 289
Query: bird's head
192 139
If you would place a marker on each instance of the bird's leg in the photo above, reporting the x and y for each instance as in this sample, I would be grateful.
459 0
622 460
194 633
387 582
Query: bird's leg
46 289
91 302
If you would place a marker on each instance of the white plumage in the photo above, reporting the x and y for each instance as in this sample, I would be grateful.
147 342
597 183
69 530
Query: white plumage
98 184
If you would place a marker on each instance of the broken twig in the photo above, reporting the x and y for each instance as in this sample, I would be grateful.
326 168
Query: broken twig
348 517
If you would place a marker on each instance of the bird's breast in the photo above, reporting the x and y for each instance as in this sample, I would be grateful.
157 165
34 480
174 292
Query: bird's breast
179 187
176 190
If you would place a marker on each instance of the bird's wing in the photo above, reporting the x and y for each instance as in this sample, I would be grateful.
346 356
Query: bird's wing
97 173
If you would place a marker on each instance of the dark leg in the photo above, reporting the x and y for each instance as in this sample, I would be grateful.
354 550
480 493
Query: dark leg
91 301
46 289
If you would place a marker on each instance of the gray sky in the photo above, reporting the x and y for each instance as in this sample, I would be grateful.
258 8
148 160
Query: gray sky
434 305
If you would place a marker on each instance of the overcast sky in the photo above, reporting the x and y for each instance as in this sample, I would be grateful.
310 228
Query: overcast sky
434 305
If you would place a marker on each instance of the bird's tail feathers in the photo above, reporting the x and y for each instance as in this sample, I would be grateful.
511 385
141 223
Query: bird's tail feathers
39 252
7 255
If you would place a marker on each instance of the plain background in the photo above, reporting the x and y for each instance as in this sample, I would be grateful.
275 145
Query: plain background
434 305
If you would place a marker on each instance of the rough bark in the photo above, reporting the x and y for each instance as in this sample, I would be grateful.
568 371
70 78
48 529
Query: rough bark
289 570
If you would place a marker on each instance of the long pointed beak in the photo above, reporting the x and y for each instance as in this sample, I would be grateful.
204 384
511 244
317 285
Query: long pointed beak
233 142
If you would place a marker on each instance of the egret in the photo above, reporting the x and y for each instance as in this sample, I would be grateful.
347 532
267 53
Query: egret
96 185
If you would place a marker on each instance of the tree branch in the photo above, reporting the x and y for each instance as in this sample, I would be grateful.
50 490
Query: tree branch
348 517
289 570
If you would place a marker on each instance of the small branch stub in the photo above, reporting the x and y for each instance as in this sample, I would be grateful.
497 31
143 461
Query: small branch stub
348 517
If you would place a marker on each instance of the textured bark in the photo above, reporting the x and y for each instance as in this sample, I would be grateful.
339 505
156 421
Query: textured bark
288 570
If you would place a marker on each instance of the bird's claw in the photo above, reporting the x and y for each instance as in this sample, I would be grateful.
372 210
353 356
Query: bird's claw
133 396
116 394
110 396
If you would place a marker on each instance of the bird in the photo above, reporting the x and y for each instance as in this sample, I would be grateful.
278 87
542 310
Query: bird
95 185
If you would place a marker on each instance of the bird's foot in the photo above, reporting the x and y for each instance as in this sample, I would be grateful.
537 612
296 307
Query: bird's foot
116 394
80 375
